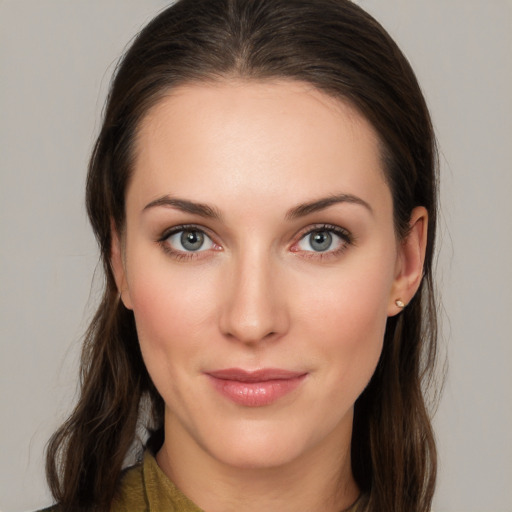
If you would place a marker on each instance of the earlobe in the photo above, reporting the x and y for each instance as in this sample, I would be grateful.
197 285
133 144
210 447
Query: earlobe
410 259
118 267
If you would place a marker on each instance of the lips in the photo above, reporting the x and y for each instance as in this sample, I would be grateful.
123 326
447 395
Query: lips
255 388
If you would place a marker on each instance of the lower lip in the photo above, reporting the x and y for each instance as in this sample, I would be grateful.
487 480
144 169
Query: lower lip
256 394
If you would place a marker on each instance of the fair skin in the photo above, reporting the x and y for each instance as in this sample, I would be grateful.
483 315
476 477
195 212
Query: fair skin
289 266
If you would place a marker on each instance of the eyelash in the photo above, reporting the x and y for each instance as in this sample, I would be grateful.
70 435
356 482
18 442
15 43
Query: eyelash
346 237
182 255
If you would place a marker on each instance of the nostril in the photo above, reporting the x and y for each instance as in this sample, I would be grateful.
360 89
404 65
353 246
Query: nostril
261 327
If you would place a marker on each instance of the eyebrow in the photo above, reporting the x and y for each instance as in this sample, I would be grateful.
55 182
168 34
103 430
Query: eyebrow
203 210
321 204
296 212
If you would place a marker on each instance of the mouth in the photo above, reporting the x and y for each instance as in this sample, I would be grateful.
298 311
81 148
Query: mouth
255 388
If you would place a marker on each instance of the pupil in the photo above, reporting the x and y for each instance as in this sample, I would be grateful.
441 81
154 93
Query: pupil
321 240
192 240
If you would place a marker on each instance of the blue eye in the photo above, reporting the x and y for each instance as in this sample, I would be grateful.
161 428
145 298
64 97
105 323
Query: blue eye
323 240
189 240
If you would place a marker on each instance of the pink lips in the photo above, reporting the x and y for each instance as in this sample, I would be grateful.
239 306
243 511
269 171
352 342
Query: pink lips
255 388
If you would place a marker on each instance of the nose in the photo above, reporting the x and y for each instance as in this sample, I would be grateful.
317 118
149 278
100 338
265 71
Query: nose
254 307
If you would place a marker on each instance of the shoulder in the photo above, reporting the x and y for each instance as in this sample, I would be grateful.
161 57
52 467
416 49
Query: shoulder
145 488
130 495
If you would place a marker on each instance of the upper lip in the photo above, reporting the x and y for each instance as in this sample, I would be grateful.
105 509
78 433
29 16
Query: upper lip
262 375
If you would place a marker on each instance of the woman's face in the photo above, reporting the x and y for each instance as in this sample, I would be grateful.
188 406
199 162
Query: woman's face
261 264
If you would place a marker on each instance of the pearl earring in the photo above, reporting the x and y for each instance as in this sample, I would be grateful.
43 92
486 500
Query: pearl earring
399 303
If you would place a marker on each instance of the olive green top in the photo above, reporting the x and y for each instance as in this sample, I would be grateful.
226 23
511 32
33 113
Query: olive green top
145 488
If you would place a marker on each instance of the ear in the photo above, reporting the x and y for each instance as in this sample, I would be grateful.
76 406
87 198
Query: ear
118 266
410 259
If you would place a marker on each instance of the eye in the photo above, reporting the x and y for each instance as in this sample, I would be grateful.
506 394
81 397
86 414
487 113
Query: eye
324 239
188 240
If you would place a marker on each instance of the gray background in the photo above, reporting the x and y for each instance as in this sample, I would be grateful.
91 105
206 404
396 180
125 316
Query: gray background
56 57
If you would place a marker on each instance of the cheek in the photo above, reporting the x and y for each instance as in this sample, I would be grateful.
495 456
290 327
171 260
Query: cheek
347 314
171 311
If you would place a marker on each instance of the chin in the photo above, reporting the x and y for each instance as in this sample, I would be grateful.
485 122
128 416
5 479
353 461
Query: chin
261 456
260 446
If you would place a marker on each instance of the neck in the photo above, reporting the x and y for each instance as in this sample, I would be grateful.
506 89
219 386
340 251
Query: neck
318 480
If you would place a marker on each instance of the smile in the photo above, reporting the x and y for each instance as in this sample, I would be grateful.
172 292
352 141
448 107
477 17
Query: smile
255 388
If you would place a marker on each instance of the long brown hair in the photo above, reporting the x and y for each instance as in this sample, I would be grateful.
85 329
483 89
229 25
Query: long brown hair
341 50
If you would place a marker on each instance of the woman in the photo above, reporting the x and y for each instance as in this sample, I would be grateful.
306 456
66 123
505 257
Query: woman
263 191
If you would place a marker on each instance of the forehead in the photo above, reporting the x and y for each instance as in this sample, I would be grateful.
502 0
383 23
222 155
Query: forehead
251 139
